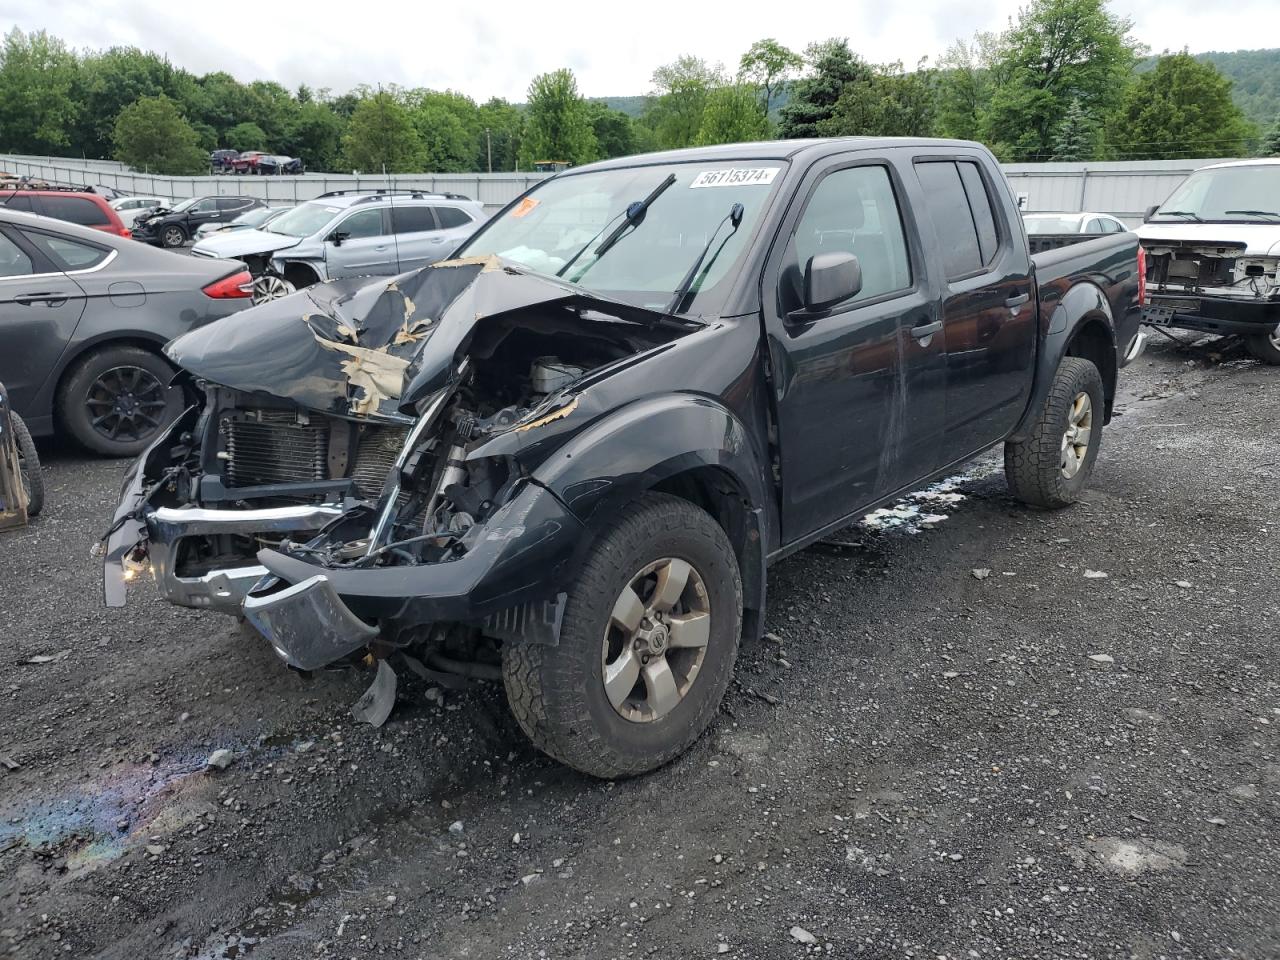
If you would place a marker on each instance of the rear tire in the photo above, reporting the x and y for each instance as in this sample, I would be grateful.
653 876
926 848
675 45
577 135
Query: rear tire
1051 467
559 694
28 466
122 390
1266 347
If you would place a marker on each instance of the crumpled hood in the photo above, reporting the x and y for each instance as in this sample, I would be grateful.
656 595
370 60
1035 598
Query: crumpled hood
374 348
234 244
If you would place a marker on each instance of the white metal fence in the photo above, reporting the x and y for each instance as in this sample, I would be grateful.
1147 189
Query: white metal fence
1123 189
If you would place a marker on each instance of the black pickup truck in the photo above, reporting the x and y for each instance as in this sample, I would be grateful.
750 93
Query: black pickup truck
567 456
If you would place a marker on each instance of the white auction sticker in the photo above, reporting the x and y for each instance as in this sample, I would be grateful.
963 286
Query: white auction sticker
736 176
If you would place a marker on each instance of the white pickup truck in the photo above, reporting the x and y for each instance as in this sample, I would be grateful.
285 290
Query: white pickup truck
1213 255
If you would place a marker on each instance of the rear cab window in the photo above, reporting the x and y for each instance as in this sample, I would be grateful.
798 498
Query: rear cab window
963 215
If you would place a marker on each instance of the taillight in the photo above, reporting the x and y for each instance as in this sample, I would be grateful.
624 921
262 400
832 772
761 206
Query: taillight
234 287
1142 276
126 233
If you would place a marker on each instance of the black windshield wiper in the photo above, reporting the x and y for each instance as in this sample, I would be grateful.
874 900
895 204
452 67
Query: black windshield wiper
1179 213
682 291
1255 213
583 249
634 214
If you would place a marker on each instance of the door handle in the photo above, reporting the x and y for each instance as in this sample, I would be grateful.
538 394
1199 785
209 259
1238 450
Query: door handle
51 297
927 330
438 240
1014 302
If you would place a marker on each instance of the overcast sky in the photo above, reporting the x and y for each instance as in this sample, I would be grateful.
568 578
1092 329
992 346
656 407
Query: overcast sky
494 48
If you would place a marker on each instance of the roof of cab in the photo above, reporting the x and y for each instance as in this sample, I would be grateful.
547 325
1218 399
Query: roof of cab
774 150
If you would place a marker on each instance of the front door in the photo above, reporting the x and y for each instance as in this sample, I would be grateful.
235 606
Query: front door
838 376
361 245
40 307
988 307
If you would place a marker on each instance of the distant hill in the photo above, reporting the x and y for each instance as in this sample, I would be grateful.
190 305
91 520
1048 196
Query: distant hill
1255 76
631 106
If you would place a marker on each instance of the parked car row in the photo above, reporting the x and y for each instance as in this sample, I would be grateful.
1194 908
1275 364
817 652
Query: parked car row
254 161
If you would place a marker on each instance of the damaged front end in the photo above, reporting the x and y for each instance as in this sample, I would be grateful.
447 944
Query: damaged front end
357 470
1214 287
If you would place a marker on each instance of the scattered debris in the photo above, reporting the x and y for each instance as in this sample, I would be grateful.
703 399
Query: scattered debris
374 705
980 573
456 828
40 658
10 763
801 935
1102 658
1129 857
1184 584
1095 574
219 759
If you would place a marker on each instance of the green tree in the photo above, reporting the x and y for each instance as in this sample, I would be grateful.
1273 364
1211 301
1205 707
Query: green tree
1077 137
109 81
151 134
502 125
1182 108
246 136
314 135
887 102
963 87
615 132
449 125
381 135
768 64
1271 145
732 115
557 125
1056 51
813 98
37 76
680 93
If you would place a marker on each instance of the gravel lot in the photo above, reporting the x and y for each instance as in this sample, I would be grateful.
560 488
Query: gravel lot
925 760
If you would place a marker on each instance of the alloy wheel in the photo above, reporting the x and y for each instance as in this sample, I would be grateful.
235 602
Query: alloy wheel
173 237
1075 440
270 287
126 403
656 640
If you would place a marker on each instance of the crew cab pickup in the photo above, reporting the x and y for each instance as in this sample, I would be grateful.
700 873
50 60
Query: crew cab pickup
567 455
1214 254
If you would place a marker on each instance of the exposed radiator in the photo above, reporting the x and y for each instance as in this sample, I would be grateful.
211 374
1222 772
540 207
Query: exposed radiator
376 454
271 446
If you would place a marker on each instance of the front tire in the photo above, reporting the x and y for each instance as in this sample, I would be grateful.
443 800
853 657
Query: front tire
28 466
173 236
647 645
117 399
1266 347
271 286
1051 467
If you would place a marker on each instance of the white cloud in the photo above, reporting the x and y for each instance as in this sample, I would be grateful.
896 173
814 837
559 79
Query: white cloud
494 49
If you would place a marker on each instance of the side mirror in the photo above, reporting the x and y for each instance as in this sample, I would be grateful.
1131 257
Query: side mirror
830 278
1151 212
337 237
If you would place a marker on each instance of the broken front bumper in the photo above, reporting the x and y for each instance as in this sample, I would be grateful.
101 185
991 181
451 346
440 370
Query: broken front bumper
1221 315
509 579
145 536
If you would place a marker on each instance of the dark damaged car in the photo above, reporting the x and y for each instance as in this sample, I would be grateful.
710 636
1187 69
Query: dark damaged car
566 456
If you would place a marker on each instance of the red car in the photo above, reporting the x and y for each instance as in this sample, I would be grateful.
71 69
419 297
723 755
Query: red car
247 162
86 209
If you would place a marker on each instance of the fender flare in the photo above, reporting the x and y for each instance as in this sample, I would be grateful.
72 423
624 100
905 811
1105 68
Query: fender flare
643 444
1083 305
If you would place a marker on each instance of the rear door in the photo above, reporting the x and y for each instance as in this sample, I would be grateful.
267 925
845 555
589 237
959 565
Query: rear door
366 247
838 377
39 309
988 306
418 237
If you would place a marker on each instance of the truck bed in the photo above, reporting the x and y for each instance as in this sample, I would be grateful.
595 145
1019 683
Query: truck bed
1108 262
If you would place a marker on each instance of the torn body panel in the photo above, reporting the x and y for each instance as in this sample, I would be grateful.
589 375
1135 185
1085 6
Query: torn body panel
1212 286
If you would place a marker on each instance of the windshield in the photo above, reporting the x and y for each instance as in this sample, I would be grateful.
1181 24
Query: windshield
1232 194
255 217
646 264
1052 225
183 204
305 220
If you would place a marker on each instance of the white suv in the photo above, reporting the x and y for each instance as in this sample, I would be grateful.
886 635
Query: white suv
348 234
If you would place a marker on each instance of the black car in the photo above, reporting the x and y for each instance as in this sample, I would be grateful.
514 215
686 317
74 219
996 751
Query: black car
272 164
83 315
174 226
567 455
221 159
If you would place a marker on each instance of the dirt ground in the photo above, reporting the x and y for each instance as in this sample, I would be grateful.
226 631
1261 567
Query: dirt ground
980 731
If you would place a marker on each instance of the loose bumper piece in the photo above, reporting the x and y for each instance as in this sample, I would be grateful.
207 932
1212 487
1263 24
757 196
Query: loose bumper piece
307 624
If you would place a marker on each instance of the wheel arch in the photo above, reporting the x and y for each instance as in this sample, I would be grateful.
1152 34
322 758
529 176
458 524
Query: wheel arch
81 352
